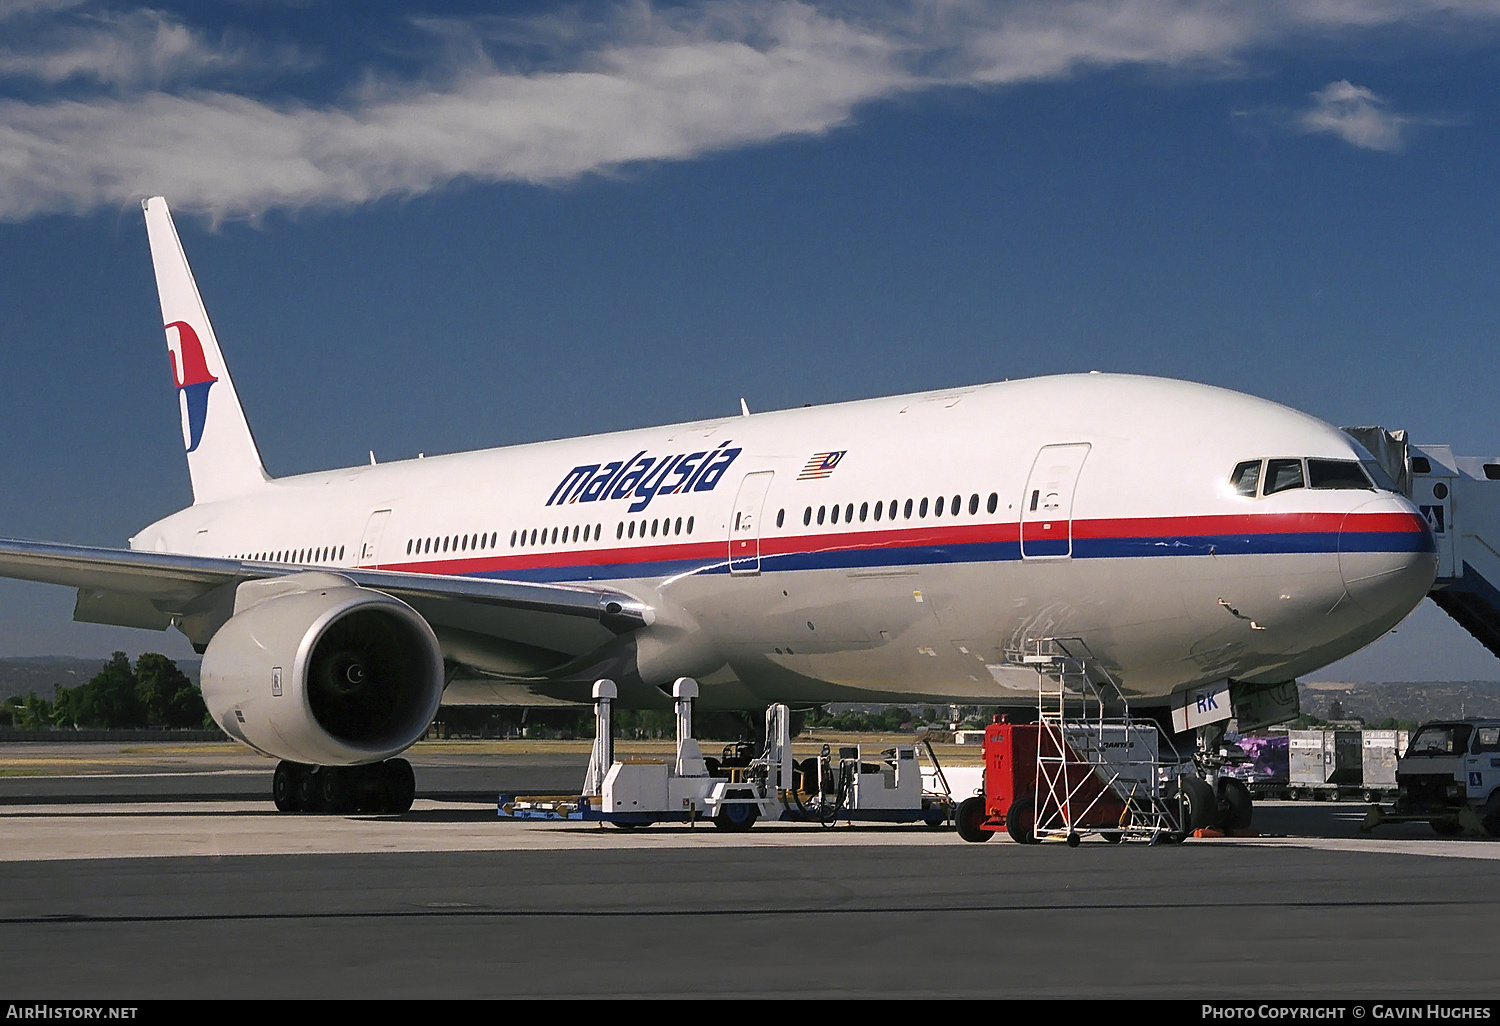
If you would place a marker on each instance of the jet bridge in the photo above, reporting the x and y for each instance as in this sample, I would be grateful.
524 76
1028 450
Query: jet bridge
1460 497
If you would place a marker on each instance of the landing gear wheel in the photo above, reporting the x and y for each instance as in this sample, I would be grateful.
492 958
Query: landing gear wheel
366 787
970 814
399 786
331 788
736 818
1238 806
305 789
935 816
1197 807
287 787
1020 821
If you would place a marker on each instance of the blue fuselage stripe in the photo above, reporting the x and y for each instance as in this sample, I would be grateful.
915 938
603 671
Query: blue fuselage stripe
986 552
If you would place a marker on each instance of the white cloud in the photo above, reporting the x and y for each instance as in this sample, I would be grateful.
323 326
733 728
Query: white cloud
640 84
131 50
1357 116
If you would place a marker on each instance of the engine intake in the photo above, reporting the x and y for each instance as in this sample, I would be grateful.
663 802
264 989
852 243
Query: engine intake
313 669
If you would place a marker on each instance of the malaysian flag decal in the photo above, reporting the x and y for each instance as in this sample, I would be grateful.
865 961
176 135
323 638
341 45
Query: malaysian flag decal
821 465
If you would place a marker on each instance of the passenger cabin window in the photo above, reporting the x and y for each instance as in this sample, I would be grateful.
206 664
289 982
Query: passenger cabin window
1343 474
1282 476
1245 477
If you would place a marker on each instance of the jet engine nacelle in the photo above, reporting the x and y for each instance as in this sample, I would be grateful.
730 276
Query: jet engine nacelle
313 669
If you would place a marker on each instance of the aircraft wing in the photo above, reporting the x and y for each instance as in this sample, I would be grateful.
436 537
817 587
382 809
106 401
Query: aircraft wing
157 589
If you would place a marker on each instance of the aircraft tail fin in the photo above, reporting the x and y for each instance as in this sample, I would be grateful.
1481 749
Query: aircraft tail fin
223 460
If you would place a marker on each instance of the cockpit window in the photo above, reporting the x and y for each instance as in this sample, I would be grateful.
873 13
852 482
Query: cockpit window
1379 475
1283 475
1345 474
1245 477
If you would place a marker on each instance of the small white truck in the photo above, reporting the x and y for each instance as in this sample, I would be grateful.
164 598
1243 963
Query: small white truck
1449 776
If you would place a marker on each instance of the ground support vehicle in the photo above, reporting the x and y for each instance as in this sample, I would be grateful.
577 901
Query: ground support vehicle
1324 764
739 788
1449 777
1381 751
1076 772
1261 764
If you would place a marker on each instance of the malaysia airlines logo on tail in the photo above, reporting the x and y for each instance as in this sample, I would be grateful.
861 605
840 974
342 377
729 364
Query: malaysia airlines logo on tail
190 372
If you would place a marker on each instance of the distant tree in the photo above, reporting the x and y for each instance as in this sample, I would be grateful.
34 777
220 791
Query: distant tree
1335 710
170 698
65 706
34 713
110 699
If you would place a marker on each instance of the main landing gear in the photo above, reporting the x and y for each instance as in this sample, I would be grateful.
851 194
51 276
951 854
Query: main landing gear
380 787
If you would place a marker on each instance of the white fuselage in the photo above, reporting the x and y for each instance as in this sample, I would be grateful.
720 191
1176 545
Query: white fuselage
779 555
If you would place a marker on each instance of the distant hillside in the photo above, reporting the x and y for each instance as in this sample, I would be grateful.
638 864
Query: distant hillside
1422 700
1427 700
45 674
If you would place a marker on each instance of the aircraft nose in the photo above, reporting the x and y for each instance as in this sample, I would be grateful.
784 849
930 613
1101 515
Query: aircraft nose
1387 557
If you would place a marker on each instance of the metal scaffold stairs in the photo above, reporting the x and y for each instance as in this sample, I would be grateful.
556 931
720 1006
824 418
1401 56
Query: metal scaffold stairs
1097 768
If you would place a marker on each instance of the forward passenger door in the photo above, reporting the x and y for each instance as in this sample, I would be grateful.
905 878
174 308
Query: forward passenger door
1047 504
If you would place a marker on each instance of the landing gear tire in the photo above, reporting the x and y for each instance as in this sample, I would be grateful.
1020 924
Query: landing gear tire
736 818
970 814
331 786
288 789
1196 805
305 789
399 788
1238 806
1020 821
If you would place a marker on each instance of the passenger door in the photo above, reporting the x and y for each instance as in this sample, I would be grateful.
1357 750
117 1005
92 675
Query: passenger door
744 523
1047 504
370 545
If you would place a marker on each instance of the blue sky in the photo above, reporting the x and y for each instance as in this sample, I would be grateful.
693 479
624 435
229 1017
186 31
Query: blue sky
429 228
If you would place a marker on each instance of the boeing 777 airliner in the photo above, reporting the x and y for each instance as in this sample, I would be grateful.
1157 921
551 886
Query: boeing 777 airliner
882 550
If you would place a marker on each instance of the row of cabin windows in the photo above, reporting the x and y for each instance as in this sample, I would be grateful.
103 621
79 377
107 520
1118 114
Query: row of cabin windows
1267 477
623 529
542 536
452 543
323 554
520 539
884 510
666 526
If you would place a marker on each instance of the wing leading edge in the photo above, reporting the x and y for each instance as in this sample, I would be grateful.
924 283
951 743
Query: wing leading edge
158 589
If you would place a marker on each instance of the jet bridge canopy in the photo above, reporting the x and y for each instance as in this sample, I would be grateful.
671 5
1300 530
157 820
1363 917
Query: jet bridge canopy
1460 497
